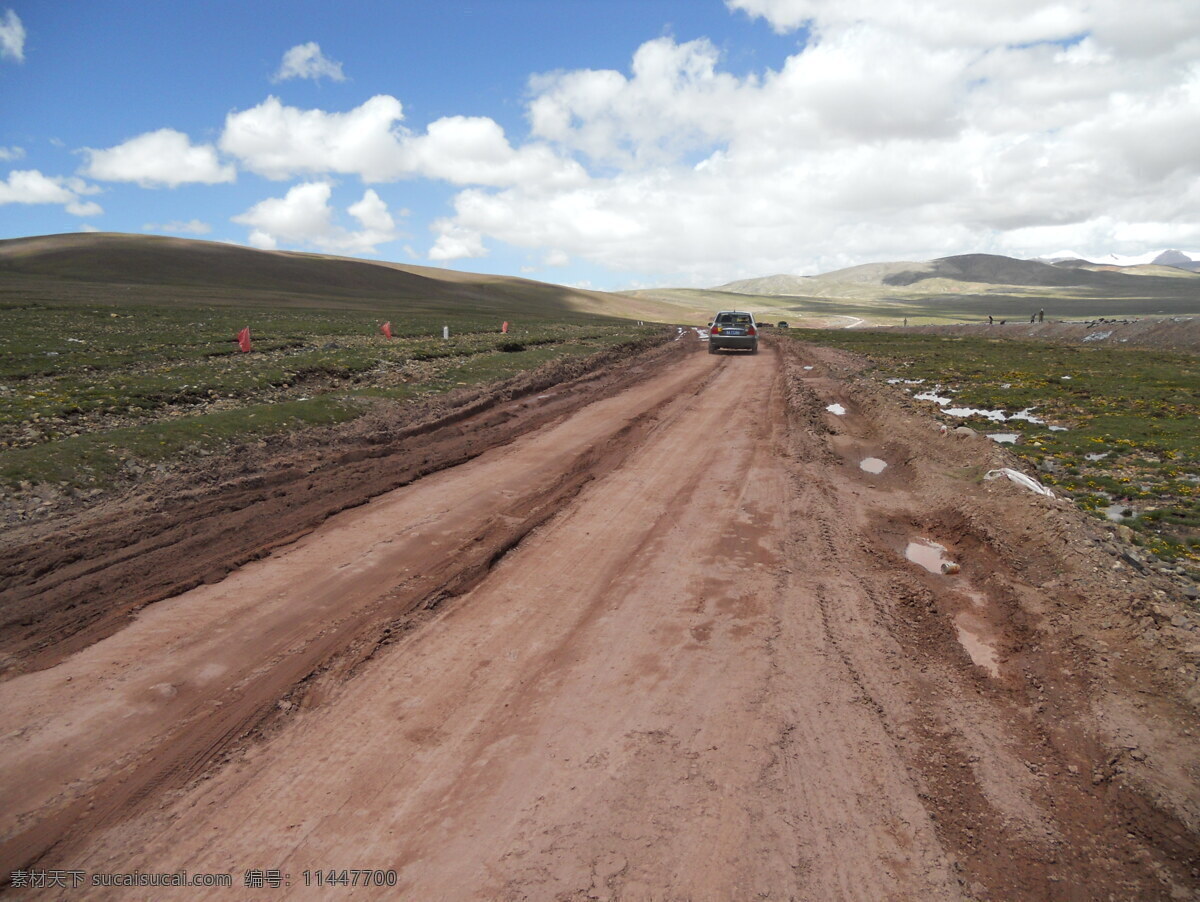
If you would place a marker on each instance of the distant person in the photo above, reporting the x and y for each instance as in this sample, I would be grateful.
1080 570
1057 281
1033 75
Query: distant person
906 321
1033 317
1041 316
990 320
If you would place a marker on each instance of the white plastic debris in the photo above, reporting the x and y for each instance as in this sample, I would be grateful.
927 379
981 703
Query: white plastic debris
837 409
1020 479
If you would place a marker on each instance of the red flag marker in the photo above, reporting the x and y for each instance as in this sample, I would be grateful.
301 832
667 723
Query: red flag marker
386 329
244 339
504 328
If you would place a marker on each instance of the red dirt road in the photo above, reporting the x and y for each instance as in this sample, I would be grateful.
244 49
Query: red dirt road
666 645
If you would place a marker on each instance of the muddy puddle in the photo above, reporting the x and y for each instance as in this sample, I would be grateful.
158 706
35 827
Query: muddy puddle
872 465
930 555
971 628
971 632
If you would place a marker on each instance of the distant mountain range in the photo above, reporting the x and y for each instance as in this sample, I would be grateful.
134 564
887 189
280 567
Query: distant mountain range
959 273
1170 257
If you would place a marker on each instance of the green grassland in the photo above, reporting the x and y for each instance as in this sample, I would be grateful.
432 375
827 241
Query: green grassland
696 306
88 392
1131 443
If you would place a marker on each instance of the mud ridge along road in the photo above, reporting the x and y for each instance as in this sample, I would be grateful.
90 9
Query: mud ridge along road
675 634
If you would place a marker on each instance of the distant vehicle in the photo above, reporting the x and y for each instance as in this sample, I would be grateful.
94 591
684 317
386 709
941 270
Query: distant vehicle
782 324
733 329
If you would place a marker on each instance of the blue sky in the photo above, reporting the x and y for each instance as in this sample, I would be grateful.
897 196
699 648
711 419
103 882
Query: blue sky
609 143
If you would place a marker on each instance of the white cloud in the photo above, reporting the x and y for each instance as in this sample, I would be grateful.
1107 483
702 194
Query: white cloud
161 158
11 153
675 99
191 227
896 131
12 37
307 61
474 151
304 218
29 186
84 208
454 242
281 142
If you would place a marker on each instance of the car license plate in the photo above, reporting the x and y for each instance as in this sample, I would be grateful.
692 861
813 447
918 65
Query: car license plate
735 331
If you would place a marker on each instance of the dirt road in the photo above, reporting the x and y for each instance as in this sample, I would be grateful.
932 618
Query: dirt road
664 644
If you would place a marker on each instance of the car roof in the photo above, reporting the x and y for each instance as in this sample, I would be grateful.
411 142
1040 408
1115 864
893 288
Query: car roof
738 312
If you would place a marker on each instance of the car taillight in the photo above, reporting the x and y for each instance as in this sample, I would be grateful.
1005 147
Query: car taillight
751 331
715 330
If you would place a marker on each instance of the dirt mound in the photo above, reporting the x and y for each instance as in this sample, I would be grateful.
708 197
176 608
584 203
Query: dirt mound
1175 333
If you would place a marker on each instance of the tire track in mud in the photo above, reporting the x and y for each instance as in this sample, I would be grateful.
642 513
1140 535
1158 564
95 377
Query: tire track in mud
326 651
68 583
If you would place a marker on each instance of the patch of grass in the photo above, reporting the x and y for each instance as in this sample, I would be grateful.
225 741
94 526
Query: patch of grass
86 392
91 460
1130 418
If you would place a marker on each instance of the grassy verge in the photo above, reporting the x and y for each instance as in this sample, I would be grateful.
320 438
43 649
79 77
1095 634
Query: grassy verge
90 395
1125 443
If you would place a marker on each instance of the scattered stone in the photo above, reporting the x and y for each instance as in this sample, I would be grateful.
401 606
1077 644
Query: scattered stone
1133 560
965 431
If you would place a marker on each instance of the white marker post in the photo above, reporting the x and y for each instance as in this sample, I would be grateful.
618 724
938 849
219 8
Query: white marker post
445 332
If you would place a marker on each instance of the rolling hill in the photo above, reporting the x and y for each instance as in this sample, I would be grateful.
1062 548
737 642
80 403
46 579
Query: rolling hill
975 269
967 287
114 268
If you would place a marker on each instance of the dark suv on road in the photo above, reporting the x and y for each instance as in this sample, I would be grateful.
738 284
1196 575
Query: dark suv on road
733 329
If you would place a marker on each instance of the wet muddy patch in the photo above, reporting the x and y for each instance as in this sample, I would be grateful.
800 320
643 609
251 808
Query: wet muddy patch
931 555
959 572
872 465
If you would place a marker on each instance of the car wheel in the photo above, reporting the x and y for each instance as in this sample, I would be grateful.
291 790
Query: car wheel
711 349
754 348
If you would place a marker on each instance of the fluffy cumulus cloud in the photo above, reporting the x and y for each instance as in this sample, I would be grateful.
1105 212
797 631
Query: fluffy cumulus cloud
29 186
280 142
156 159
455 242
894 131
12 37
307 61
305 218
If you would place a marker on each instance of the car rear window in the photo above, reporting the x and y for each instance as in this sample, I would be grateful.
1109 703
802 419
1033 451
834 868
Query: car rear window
734 319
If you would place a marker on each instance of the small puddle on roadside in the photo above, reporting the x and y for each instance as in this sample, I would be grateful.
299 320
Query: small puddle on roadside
928 554
1004 438
872 465
982 653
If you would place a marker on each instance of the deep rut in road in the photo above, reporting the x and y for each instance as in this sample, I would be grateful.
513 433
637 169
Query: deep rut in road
665 645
